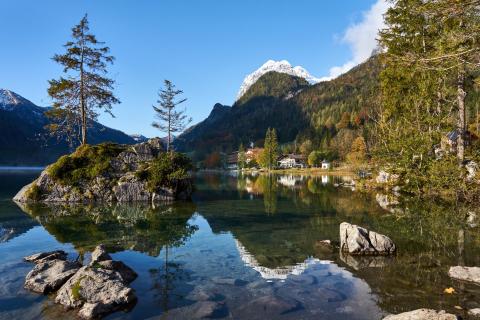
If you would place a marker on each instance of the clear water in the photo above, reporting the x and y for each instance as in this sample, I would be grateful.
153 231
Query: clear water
251 245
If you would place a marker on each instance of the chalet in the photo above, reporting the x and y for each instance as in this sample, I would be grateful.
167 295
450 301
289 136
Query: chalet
449 141
250 154
292 161
326 165
232 161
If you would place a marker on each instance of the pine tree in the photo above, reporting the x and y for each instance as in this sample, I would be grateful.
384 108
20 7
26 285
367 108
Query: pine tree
170 119
242 158
273 155
85 86
269 155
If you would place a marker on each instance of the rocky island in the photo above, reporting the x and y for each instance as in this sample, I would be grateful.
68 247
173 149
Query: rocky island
111 172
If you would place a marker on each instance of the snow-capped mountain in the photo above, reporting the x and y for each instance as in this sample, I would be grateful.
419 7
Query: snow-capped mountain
138 137
9 99
278 66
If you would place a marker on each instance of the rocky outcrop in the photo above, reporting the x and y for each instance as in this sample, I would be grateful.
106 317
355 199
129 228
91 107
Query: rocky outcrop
356 240
422 314
96 289
120 181
471 274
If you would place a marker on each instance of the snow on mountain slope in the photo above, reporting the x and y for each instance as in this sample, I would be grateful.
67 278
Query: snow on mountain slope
278 66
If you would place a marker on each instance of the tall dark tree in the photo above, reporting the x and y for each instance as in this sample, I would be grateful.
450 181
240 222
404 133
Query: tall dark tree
84 88
170 119
269 155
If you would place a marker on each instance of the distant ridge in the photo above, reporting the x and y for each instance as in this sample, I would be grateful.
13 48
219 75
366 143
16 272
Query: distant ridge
24 141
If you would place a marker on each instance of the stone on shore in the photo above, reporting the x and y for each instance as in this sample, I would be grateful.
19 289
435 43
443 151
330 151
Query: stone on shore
360 241
471 274
50 275
474 312
422 314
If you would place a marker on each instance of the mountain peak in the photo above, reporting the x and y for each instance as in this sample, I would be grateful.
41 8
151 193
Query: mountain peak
282 66
10 99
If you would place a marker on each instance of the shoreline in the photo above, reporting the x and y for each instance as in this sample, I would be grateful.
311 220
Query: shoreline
342 171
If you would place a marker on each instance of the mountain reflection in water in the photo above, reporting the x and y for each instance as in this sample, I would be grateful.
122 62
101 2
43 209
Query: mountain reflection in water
251 247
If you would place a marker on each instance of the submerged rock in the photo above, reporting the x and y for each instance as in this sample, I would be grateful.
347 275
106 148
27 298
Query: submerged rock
471 274
360 241
50 275
422 314
112 173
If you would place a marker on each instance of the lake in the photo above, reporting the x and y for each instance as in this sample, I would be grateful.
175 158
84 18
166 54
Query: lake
252 245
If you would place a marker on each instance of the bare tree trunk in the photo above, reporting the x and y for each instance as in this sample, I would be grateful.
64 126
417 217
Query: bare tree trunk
169 130
82 101
461 115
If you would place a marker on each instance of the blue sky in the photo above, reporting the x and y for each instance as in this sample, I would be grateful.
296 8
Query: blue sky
205 47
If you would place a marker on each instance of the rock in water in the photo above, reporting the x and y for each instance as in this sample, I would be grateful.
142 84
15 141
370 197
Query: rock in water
471 274
96 292
46 256
360 241
50 275
97 289
422 314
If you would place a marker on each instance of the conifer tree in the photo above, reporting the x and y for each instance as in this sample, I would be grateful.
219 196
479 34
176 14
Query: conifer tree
84 88
170 119
242 160
268 157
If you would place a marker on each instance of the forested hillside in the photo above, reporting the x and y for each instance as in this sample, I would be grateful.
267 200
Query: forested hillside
302 114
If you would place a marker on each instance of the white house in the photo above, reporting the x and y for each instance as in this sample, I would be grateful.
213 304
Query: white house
326 164
292 161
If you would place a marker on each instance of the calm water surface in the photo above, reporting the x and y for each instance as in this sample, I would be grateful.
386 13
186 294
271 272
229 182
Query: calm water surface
251 244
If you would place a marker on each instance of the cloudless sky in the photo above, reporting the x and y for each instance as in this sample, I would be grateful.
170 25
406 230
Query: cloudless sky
206 47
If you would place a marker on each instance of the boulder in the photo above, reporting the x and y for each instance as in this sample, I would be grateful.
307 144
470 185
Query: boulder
99 254
422 314
50 275
96 291
360 241
125 272
471 274
46 256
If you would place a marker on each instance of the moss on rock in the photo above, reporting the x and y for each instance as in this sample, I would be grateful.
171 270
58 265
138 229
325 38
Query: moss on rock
86 163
